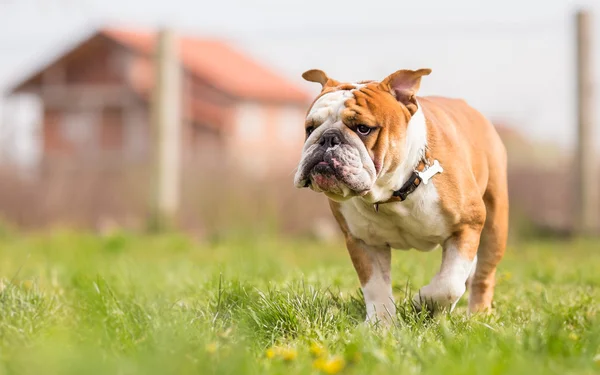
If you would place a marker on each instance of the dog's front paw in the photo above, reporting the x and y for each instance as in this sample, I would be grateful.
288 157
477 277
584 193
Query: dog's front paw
381 315
440 295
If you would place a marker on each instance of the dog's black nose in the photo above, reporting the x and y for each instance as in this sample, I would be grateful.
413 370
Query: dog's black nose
330 139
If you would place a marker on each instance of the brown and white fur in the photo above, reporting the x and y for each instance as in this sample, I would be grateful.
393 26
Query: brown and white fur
363 142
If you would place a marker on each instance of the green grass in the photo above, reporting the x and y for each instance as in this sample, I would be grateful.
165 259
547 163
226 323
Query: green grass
126 304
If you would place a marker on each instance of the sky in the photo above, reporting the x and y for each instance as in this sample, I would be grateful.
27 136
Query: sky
512 59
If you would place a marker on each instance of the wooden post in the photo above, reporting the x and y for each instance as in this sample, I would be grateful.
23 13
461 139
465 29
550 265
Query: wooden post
587 181
167 127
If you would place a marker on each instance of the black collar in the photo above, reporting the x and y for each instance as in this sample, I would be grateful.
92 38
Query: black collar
409 186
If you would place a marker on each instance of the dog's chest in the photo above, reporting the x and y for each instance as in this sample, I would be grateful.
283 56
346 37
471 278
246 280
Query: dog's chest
416 223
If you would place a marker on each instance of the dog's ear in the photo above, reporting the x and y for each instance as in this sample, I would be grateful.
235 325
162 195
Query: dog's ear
319 76
404 85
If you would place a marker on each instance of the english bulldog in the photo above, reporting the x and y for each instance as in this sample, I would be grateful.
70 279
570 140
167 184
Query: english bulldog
404 171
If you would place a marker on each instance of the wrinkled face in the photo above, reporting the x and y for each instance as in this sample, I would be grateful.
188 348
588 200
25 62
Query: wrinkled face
354 135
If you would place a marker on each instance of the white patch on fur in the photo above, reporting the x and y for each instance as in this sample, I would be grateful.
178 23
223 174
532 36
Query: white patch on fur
470 278
416 141
379 300
329 106
416 223
449 284
327 111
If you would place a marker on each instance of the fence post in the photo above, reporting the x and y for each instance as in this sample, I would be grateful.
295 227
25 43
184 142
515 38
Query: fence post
587 181
167 128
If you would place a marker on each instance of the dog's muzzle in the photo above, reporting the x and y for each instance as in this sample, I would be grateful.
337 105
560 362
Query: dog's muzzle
333 165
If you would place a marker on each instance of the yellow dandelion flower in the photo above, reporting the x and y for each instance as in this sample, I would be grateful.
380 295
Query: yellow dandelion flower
333 365
289 354
211 348
274 351
271 353
319 363
317 350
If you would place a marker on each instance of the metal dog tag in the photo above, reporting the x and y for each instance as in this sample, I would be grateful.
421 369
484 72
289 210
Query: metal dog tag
427 174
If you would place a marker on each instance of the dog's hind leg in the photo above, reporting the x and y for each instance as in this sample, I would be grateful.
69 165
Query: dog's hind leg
492 244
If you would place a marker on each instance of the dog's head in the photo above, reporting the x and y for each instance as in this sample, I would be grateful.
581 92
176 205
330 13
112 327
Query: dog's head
355 133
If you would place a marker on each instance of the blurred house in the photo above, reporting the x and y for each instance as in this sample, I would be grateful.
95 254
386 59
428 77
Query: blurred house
242 134
96 99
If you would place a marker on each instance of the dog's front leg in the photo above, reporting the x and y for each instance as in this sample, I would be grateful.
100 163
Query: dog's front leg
449 284
373 266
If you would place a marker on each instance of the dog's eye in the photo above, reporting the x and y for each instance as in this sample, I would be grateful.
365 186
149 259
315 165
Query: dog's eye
309 130
363 129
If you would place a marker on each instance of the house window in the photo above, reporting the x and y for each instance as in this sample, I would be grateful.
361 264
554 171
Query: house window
250 122
80 128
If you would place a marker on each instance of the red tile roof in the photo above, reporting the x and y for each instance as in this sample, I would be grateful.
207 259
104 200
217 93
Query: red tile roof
220 65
